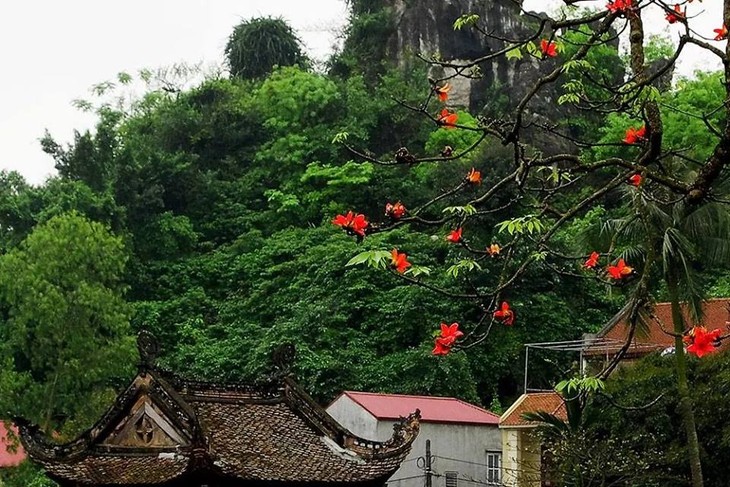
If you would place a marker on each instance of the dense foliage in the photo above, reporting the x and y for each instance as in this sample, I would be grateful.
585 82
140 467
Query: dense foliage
204 217
258 45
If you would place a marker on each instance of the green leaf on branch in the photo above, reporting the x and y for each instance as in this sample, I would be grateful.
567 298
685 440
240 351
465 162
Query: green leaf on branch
466 265
466 210
340 137
568 98
418 270
377 259
514 53
533 50
529 224
466 20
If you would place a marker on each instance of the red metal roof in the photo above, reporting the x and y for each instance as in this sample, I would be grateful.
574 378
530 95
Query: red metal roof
715 316
11 451
549 402
433 409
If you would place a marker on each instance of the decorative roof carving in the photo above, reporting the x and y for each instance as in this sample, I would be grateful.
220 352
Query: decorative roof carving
164 429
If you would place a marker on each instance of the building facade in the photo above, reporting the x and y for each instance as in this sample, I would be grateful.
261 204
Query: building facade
524 463
465 442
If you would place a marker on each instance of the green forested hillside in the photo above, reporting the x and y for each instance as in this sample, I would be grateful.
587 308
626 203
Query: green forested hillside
203 216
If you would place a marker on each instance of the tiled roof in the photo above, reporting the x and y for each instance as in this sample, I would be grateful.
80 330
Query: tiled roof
165 430
11 451
533 402
651 337
433 409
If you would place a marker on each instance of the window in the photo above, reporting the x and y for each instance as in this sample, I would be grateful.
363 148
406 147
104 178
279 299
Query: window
494 468
451 478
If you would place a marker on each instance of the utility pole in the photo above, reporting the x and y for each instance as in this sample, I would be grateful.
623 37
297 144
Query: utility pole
428 463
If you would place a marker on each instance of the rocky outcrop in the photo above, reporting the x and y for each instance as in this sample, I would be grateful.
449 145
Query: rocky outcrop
426 27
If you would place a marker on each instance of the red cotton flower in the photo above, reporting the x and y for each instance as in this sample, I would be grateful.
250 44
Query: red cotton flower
395 211
446 339
620 270
635 180
677 15
474 176
721 34
620 6
635 135
454 236
592 261
548 48
494 250
447 119
399 261
442 92
505 314
701 342
351 223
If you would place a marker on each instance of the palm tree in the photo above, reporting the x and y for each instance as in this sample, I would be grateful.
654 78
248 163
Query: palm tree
685 239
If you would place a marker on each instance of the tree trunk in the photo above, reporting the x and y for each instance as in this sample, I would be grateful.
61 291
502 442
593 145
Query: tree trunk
685 404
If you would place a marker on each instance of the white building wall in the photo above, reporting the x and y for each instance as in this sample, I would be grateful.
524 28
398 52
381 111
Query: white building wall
353 417
454 447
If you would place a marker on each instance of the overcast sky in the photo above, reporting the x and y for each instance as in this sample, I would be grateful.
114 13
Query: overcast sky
54 51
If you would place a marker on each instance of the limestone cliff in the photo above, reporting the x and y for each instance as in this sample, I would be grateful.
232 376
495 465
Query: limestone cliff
426 27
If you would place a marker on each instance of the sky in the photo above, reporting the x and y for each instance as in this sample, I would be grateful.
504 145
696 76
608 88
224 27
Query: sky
53 52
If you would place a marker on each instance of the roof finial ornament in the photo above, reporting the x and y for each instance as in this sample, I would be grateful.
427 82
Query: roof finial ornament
149 348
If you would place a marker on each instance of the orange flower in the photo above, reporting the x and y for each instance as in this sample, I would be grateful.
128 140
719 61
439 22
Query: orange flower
635 135
351 223
505 314
635 180
395 211
399 261
620 270
474 176
454 236
721 33
701 342
446 339
447 118
677 15
442 92
592 261
548 48
494 250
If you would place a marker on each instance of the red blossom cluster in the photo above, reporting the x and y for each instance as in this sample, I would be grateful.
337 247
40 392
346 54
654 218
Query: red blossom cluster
677 15
622 7
635 135
721 33
592 261
635 180
620 271
454 236
395 211
548 48
494 250
352 223
474 176
446 339
442 92
399 261
447 118
505 314
701 342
